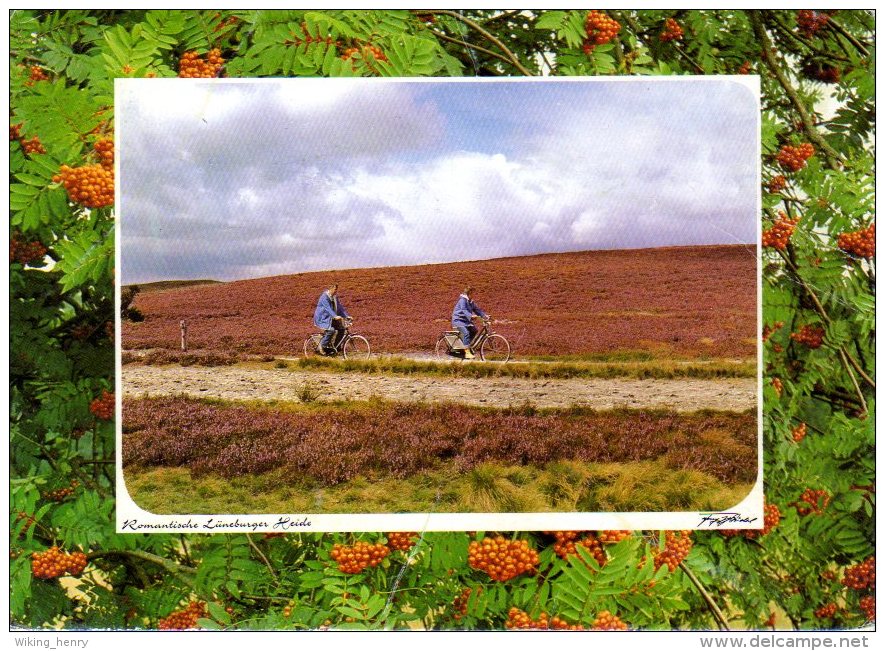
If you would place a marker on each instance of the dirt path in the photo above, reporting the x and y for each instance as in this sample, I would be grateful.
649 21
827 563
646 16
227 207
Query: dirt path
236 383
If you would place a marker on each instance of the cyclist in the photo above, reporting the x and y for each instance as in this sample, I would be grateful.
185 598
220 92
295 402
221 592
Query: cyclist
330 317
462 320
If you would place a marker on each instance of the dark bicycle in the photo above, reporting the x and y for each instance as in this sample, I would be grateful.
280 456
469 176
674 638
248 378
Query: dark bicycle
350 346
491 346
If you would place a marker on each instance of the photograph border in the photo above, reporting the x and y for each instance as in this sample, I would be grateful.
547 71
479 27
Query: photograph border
748 514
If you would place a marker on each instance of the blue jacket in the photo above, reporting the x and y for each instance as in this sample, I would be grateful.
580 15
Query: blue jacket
464 311
327 308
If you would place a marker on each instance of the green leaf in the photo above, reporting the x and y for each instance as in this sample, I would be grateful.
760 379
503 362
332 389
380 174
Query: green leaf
550 20
218 613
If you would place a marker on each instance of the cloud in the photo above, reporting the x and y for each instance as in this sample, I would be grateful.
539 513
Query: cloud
240 180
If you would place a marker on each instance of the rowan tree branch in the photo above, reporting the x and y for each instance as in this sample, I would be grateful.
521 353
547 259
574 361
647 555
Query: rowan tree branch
831 155
511 58
717 614
837 27
845 363
261 555
774 21
170 566
472 46
847 360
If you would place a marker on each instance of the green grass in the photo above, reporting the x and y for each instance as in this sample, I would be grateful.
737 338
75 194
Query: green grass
559 487
539 369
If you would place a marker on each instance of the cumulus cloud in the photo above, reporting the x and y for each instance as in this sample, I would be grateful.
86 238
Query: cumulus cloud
247 179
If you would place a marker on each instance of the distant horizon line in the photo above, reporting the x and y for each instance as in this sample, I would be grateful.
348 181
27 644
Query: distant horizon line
427 264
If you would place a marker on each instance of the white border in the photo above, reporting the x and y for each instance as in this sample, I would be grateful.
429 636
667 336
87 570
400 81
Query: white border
130 518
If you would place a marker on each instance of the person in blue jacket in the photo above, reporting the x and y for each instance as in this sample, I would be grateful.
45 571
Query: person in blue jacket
462 319
329 316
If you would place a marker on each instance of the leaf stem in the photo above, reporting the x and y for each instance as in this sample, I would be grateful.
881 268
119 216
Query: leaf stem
717 614
848 361
170 566
472 46
512 59
837 27
261 555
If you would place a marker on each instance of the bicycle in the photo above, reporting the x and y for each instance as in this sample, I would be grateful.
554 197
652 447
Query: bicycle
350 346
491 346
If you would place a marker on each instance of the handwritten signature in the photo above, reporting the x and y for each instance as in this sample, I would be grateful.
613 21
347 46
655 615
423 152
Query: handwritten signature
722 519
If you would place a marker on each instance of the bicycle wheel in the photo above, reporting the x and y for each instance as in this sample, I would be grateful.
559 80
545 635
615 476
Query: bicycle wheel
312 345
495 349
357 347
442 347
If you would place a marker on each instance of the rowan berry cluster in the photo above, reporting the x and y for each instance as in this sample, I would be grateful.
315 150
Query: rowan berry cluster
502 559
815 501
606 621
191 66
54 562
771 520
612 536
798 433
677 546
354 559
61 494
793 158
767 330
105 150
36 74
861 243
366 52
25 252
780 233
809 21
862 575
777 385
745 68
672 31
600 30
29 519
89 185
401 540
186 618
810 335
32 145
567 542
868 607
519 619
822 72
827 611
28 145
103 406
777 183
274 534
460 604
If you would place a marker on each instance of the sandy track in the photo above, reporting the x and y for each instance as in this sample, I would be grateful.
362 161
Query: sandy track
236 383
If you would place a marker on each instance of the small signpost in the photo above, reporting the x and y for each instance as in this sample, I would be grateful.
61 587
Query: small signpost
183 325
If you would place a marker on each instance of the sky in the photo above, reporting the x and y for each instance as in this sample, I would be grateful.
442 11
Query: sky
227 180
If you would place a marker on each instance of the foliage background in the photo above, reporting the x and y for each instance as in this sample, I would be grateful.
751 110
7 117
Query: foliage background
802 573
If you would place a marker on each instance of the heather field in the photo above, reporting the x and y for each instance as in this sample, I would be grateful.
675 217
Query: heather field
321 447
682 302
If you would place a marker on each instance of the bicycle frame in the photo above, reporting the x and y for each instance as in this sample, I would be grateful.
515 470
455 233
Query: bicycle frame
480 337
344 338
